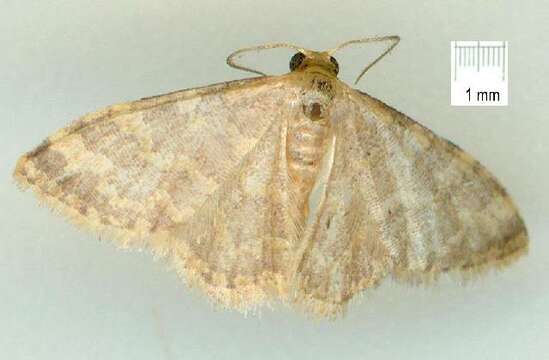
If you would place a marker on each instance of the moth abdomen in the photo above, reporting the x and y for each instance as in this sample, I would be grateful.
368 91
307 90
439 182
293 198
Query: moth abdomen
306 143
305 149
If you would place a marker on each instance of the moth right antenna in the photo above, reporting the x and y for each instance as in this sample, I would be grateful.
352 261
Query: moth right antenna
395 39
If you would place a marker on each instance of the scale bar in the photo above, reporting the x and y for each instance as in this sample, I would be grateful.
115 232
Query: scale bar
478 56
479 73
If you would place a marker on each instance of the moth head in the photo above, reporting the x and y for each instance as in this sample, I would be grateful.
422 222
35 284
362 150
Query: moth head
314 62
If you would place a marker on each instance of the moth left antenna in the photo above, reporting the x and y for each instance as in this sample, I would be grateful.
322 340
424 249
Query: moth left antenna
394 39
232 58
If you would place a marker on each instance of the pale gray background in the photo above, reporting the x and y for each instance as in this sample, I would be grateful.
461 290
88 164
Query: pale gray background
65 295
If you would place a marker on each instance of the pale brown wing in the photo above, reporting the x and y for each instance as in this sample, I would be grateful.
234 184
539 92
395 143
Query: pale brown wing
401 200
456 215
241 239
189 174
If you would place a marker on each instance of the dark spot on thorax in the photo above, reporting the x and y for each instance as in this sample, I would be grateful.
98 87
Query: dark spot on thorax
324 86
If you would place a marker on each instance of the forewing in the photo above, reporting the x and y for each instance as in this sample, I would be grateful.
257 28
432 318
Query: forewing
188 174
400 200
442 208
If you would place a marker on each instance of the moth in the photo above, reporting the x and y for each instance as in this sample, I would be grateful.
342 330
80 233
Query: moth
294 188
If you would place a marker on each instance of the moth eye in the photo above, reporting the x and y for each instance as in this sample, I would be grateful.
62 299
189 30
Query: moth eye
336 65
296 60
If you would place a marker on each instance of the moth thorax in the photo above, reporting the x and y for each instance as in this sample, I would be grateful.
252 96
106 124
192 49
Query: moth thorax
316 100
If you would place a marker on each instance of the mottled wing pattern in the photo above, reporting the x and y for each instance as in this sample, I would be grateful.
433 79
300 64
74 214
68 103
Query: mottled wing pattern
241 241
401 200
166 172
453 212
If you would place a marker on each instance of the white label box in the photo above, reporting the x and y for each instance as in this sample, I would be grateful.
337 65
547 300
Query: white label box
479 73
